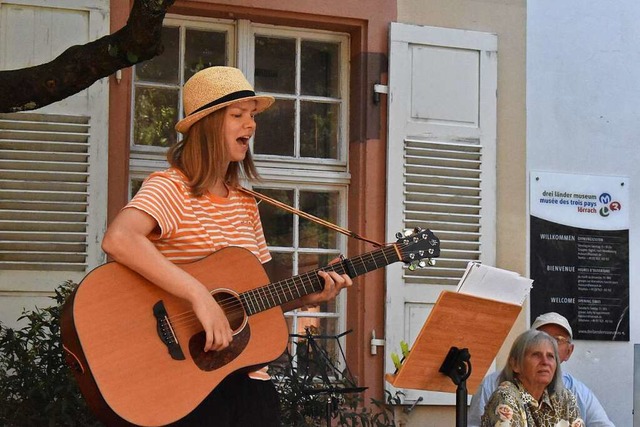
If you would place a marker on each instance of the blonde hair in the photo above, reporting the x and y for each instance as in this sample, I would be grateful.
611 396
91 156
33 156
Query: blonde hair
202 156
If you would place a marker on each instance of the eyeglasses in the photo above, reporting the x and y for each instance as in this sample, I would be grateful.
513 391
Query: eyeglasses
562 339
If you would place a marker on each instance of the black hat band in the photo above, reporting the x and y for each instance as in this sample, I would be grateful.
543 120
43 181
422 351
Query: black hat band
230 97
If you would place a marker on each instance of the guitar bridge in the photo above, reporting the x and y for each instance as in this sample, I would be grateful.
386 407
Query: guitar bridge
165 331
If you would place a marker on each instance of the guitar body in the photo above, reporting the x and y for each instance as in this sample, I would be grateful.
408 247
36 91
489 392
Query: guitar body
124 369
137 351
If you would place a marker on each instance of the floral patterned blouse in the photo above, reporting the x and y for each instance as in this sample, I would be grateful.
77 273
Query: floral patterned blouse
512 406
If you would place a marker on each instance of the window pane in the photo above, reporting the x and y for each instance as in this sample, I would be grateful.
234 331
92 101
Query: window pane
162 68
276 129
275 65
277 223
329 326
320 69
307 262
319 130
156 113
280 267
204 49
135 185
324 206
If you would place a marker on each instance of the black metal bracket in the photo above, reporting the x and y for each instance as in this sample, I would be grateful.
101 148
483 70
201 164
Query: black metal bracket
457 366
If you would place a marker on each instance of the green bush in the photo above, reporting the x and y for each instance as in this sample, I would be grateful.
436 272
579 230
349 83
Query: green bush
36 387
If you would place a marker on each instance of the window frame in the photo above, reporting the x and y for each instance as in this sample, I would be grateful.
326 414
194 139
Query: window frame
341 304
309 163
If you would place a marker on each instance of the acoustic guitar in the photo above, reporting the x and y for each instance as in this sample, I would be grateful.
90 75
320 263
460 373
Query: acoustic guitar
136 351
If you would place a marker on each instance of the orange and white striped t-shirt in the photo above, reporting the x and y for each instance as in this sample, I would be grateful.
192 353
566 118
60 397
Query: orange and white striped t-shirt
190 227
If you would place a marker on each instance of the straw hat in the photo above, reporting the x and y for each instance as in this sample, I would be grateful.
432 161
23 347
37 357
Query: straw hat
214 88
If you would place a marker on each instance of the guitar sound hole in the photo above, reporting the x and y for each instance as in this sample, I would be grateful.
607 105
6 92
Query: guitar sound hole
212 360
232 308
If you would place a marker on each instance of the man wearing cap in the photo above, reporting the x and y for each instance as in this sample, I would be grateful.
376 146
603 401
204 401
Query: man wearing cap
558 327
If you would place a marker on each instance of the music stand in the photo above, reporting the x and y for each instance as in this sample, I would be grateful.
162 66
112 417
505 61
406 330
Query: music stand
459 327
319 364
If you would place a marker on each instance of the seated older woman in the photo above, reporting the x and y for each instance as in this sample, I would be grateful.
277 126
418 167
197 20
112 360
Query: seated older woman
531 392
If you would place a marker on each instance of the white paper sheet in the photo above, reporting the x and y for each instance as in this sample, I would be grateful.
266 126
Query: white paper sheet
494 283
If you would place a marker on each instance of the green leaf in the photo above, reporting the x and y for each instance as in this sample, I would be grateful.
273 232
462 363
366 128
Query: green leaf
396 360
404 347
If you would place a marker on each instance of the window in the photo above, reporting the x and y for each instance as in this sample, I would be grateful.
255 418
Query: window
298 245
301 144
304 76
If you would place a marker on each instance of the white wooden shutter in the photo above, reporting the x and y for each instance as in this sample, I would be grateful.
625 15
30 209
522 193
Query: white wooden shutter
53 161
441 167
44 177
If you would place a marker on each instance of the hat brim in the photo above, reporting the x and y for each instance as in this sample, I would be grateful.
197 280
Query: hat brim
262 103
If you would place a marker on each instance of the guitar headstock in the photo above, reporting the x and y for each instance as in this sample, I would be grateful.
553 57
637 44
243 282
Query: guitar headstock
418 247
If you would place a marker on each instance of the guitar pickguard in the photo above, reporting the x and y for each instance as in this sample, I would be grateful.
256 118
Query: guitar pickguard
212 360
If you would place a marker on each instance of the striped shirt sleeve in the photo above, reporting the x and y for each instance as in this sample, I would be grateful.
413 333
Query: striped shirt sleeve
162 199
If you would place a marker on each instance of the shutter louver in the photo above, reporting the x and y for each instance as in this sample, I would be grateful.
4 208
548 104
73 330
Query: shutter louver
44 171
442 191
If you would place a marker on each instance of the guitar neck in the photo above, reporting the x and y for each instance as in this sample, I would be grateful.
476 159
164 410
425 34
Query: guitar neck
284 291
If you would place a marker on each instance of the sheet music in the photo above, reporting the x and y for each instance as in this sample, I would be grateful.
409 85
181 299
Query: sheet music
494 283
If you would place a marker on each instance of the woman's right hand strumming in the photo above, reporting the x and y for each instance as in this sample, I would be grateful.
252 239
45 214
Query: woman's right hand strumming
213 319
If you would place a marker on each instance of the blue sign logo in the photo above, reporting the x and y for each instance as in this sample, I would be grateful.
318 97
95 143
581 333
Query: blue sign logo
605 198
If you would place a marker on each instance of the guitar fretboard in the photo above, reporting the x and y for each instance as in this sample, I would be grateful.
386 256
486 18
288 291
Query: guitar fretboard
279 293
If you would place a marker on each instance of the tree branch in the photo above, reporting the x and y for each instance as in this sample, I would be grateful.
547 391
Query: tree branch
80 66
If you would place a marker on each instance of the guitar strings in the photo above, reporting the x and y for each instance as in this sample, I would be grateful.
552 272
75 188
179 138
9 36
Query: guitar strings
233 306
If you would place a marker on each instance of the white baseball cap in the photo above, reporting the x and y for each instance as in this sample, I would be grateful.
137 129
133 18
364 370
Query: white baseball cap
552 318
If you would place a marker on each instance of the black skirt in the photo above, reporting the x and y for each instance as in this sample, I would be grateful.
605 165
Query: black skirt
238 401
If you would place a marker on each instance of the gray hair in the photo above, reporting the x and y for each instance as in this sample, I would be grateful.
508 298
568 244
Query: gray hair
524 343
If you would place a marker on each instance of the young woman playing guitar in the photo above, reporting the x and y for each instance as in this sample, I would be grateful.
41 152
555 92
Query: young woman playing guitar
194 209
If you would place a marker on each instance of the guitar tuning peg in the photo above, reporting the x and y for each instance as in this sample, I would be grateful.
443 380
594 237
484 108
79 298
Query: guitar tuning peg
408 232
399 235
412 267
431 262
418 230
422 263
